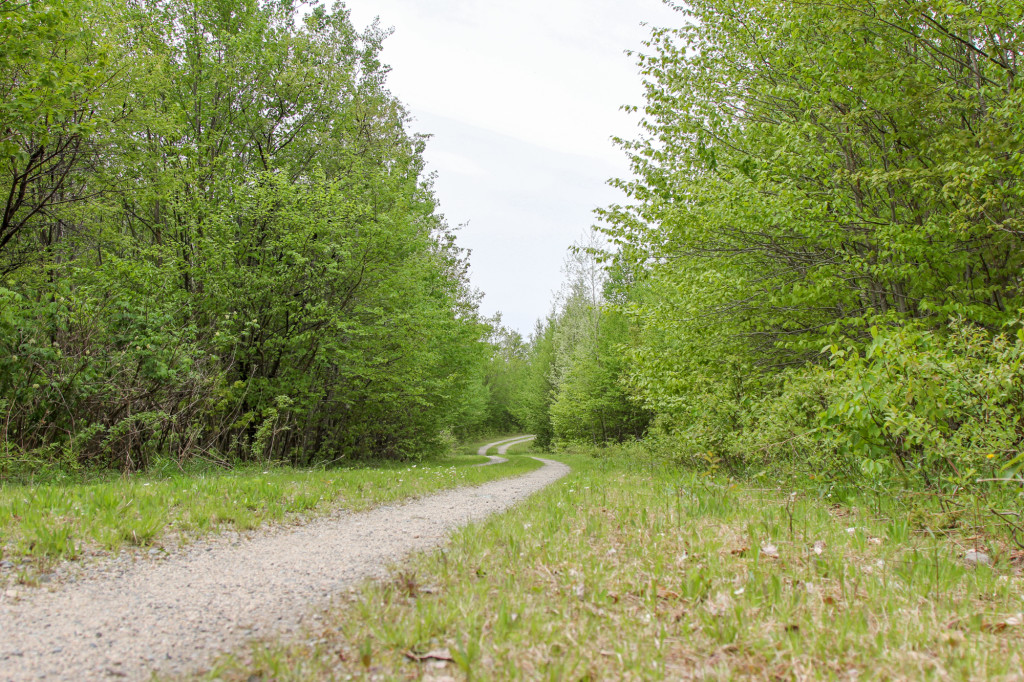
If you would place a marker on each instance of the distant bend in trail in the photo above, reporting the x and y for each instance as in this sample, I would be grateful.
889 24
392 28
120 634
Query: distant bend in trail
503 446
175 616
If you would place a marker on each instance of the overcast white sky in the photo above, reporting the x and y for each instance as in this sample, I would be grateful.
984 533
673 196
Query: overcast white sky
522 99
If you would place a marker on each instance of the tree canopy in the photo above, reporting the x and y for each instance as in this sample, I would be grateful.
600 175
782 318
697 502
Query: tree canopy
219 241
818 262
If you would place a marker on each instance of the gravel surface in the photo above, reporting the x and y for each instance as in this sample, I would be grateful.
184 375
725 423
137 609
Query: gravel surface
174 615
503 446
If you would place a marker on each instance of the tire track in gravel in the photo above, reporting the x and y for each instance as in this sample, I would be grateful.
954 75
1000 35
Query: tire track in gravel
176 615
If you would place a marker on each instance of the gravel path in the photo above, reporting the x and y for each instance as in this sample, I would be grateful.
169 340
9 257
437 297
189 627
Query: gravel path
175 615
503 446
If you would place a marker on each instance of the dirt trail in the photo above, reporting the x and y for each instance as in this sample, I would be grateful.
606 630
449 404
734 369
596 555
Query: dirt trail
503 446
175 615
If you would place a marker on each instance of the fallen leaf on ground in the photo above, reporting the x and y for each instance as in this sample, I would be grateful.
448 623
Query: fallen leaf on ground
722 654
667 594
819 546
954 624
954 638
719 605
433 655
1008 622
769 550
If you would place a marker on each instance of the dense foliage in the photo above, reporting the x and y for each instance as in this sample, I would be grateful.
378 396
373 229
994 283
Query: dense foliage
218 241
821 189
571 387
819 268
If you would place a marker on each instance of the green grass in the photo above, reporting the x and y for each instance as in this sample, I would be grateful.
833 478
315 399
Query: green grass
621 573
45 522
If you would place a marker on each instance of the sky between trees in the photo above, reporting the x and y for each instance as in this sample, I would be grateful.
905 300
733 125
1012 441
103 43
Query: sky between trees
522 100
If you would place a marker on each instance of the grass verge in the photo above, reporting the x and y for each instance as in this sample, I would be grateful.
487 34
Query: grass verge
43 523
622 573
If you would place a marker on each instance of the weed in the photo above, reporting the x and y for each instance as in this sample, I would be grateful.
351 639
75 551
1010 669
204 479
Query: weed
53 541
467 653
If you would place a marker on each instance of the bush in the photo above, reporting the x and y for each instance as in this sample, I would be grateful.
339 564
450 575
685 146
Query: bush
925 408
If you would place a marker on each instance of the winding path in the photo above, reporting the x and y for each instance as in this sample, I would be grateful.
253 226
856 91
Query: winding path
175 615
503 446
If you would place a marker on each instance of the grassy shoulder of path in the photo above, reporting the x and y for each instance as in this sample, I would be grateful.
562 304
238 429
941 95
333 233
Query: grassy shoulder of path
44 523
621 572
